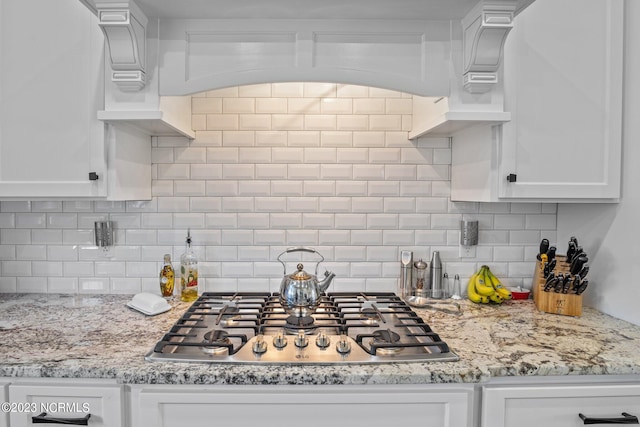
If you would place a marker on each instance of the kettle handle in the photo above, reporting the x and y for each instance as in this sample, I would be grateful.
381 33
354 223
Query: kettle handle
300 249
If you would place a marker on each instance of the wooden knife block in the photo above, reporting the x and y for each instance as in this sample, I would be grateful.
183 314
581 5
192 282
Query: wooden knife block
552 302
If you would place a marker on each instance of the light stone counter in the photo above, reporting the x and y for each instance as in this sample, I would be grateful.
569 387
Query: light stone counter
97 336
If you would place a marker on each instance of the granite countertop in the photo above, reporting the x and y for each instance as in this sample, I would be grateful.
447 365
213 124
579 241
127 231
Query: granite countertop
97 336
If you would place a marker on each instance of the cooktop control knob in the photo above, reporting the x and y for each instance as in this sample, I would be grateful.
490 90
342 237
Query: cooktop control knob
322 340
259 346
301 340
343 345
280 341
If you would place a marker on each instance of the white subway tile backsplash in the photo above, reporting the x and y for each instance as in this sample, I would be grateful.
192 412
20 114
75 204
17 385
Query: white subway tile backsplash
62 253
121 285
254 188
319 122
9 236
78 237
303 171
403 173
382 221
417 221
433 172
32 284
173 204
304 138
238 171
189 188
302 237
271 105
190 155
367 204
385 122
223 155
383 188
286 220
271 138
15 206
302 204
7 220
173 171
369 172
205 204
272 166
509 222
221 188
351 221
62 285
352 122
540 222
16 268
206 105
7 253
334 204
341 139
286 188
254 122
369 139
288 122
334 237
317 221
62 220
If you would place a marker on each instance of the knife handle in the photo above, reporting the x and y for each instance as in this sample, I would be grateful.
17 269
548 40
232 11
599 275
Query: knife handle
551 253
544 247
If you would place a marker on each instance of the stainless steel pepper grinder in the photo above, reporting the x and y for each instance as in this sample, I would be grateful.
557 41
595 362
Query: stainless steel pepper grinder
435 273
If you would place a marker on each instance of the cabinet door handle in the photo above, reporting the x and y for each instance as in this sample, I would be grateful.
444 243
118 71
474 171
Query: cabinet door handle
43 419
626 419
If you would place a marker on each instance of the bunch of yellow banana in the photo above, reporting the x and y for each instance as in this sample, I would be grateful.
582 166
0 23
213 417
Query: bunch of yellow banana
484 287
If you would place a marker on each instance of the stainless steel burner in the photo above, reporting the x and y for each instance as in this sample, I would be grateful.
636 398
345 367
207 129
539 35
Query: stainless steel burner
386 337
295 325
216 342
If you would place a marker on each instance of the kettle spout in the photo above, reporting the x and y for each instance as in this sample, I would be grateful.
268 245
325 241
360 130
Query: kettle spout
324 284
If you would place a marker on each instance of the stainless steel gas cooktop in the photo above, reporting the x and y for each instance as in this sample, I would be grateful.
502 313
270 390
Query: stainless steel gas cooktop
345 328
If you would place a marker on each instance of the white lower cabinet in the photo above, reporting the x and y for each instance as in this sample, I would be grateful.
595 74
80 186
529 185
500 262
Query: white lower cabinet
4 397
295 406
558 405
63 400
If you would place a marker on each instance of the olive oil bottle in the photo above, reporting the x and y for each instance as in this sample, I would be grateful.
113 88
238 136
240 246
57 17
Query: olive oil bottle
188 273
167 278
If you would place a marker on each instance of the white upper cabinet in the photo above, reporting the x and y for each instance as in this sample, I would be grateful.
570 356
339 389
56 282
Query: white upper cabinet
563 66
52 144
50 138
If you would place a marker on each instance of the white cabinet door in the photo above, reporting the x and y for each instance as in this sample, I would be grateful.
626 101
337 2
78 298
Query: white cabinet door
103 402
295 406
556 405
51 85
4 397
563 66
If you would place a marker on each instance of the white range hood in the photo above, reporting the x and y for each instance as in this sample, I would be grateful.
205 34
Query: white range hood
433 48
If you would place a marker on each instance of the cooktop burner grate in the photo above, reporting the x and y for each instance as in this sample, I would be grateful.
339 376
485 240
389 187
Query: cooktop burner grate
347 327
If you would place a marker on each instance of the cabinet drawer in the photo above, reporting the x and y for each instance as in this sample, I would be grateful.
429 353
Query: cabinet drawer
556 405
67 400
293 406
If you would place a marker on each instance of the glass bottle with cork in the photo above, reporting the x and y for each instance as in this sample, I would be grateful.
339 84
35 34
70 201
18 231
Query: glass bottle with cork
188 272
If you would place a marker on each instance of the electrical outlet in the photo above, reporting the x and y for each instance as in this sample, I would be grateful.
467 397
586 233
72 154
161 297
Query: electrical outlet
467 251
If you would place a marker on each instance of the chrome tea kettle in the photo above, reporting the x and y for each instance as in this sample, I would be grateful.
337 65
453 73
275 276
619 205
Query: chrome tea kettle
300 291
